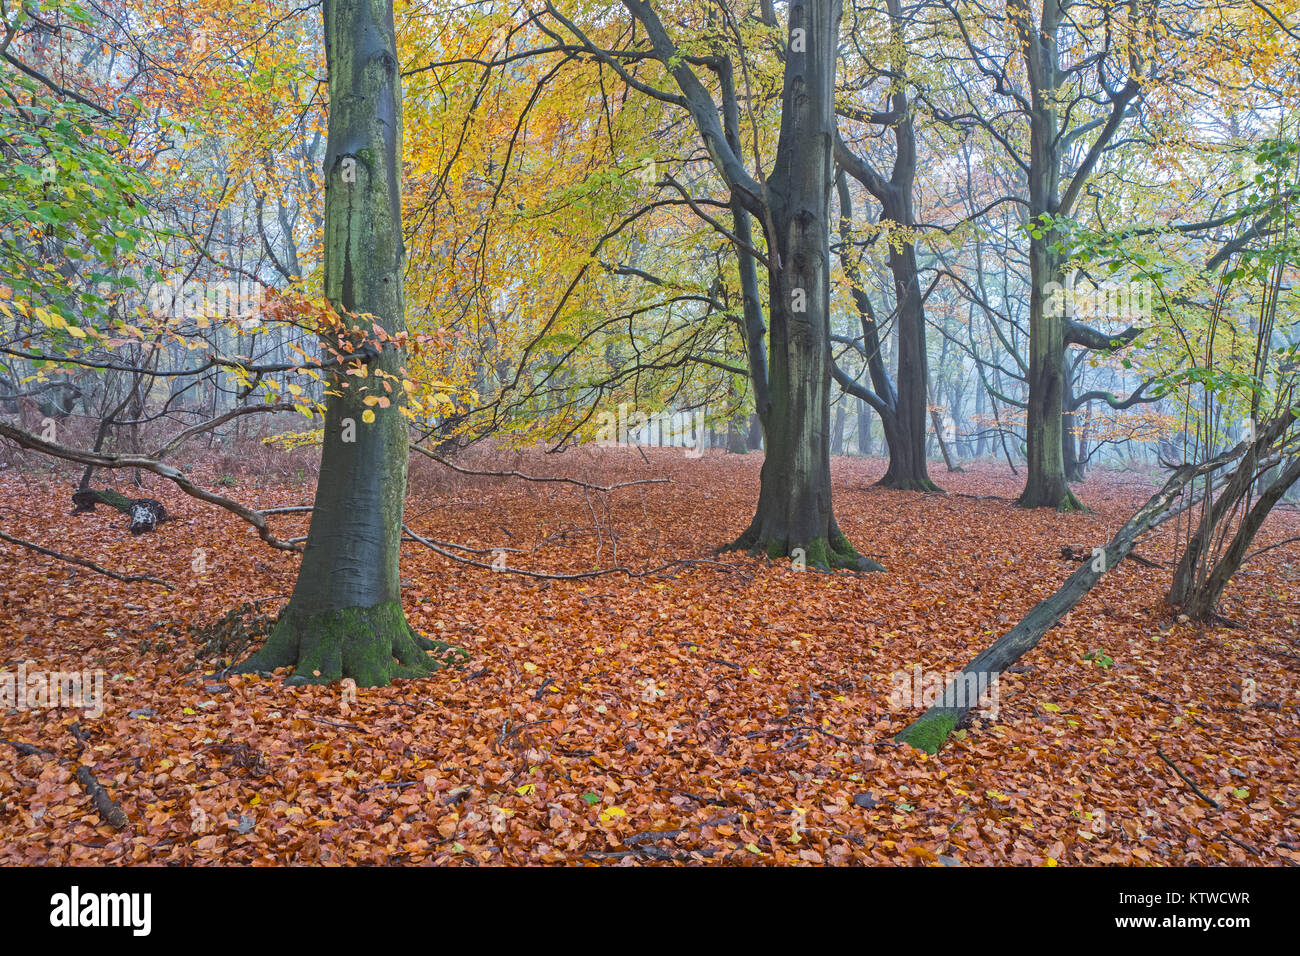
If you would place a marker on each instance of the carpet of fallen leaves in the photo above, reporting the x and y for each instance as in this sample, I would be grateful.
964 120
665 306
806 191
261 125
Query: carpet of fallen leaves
731 712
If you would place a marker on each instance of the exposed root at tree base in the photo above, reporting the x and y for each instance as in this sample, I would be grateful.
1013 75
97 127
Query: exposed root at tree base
924 485
371 645
1067 503
817 555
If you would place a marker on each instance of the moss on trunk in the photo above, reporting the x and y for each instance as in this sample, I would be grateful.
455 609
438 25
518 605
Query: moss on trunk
929 731
371 645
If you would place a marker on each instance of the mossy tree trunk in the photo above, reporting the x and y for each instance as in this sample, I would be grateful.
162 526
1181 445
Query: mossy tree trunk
794 515
345 617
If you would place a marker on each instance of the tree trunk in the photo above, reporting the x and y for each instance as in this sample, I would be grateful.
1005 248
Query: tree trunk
794 515
864 428
907 463
1204 599
1190 588
1045 486
944 450
345 617
931 729
1071 454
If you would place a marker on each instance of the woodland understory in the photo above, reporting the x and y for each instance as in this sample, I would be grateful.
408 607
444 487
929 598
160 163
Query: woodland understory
724 708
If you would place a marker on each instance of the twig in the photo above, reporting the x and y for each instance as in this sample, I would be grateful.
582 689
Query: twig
1186 779
542 478
83 563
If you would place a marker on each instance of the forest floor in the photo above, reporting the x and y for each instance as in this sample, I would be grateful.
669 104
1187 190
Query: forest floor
736 712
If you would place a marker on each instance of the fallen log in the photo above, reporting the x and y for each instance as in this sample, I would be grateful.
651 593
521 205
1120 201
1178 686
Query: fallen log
929 731
145 513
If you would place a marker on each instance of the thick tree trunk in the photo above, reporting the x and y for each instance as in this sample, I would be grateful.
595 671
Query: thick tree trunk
345 617
905 416
908 469
902 411
1045 485
864 428
794 515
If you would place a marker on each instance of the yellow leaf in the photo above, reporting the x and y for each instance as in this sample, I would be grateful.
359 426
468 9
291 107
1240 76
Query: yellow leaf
611 813
367 416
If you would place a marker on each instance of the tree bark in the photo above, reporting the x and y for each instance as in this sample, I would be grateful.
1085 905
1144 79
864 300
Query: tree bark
794 514
345 616
1204 599
903 409
929 731
864 428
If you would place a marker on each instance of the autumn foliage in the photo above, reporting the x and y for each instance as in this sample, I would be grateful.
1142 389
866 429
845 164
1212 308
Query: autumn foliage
726 710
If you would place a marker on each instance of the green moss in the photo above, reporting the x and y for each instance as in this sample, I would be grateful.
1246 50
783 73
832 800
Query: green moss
371 645
114 499
1071 503
843 547
929 731
818 554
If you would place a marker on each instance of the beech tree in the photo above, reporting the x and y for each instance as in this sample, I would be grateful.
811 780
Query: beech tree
345 617
902 403
791 203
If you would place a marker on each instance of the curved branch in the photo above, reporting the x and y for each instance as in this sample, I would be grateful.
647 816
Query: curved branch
174 475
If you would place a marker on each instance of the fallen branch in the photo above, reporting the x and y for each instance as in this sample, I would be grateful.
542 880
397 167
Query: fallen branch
1187 780
109 811
559 479
929 731
89 565
545 576
174 475
641 844
27 750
